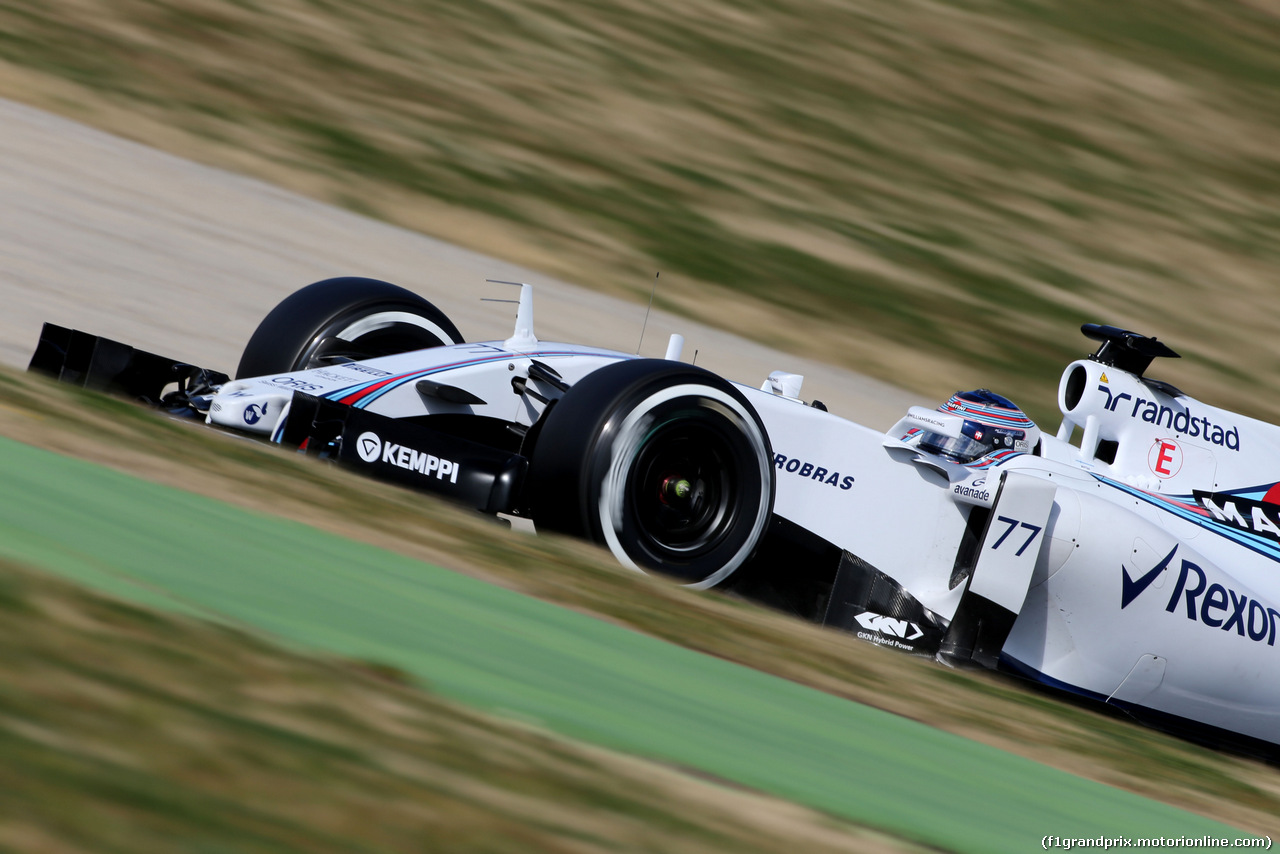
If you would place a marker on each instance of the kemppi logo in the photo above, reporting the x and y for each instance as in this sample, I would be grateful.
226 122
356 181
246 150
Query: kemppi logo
371 449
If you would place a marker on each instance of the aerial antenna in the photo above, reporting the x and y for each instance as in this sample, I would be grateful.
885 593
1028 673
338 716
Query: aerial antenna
649 309
523 337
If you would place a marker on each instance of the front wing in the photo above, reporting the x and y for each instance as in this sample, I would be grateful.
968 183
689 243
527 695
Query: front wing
397 450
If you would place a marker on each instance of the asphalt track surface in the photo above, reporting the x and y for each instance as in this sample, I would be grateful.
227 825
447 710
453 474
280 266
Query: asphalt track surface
519 656
121 240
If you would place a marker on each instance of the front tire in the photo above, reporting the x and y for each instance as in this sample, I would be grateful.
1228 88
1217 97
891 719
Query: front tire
343 319
666 464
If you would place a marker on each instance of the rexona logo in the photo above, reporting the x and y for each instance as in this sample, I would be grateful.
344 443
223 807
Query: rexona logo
809 471
1214 605
1181 420
371 449
887 630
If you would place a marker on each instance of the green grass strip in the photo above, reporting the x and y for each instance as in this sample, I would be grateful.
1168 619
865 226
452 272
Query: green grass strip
573 674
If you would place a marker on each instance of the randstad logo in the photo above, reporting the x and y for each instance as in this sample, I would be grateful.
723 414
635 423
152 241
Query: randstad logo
1179 419
1214 605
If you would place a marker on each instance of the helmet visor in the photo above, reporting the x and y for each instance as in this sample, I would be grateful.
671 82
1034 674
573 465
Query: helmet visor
962 449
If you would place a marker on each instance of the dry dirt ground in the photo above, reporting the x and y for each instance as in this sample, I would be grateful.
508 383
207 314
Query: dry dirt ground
125 241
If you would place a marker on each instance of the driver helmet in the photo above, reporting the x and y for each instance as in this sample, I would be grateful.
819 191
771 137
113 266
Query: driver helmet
975 424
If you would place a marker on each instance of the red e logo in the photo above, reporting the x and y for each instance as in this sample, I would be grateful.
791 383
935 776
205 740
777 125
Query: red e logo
1165 458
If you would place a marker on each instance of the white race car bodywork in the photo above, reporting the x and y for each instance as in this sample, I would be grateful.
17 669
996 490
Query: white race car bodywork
387 385
1139 566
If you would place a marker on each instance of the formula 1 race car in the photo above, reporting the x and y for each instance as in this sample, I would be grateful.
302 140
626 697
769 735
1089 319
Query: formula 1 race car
1132 558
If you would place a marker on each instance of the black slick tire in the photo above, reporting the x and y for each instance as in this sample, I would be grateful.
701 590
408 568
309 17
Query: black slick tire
347 318
667 465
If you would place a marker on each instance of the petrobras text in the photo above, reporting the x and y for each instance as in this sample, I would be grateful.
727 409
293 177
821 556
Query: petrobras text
810 471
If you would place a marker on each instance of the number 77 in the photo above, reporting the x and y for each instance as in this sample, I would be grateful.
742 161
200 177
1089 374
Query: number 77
1014 523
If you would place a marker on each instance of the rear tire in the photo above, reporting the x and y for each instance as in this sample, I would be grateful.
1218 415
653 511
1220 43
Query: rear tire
347 318
666 464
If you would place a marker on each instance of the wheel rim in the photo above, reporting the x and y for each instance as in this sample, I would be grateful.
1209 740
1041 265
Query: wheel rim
681 489
709 440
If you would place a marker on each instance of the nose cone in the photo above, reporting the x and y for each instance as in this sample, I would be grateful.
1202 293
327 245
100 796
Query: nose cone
242 406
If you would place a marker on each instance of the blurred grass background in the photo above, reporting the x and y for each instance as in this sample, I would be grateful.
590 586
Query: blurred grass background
935 193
